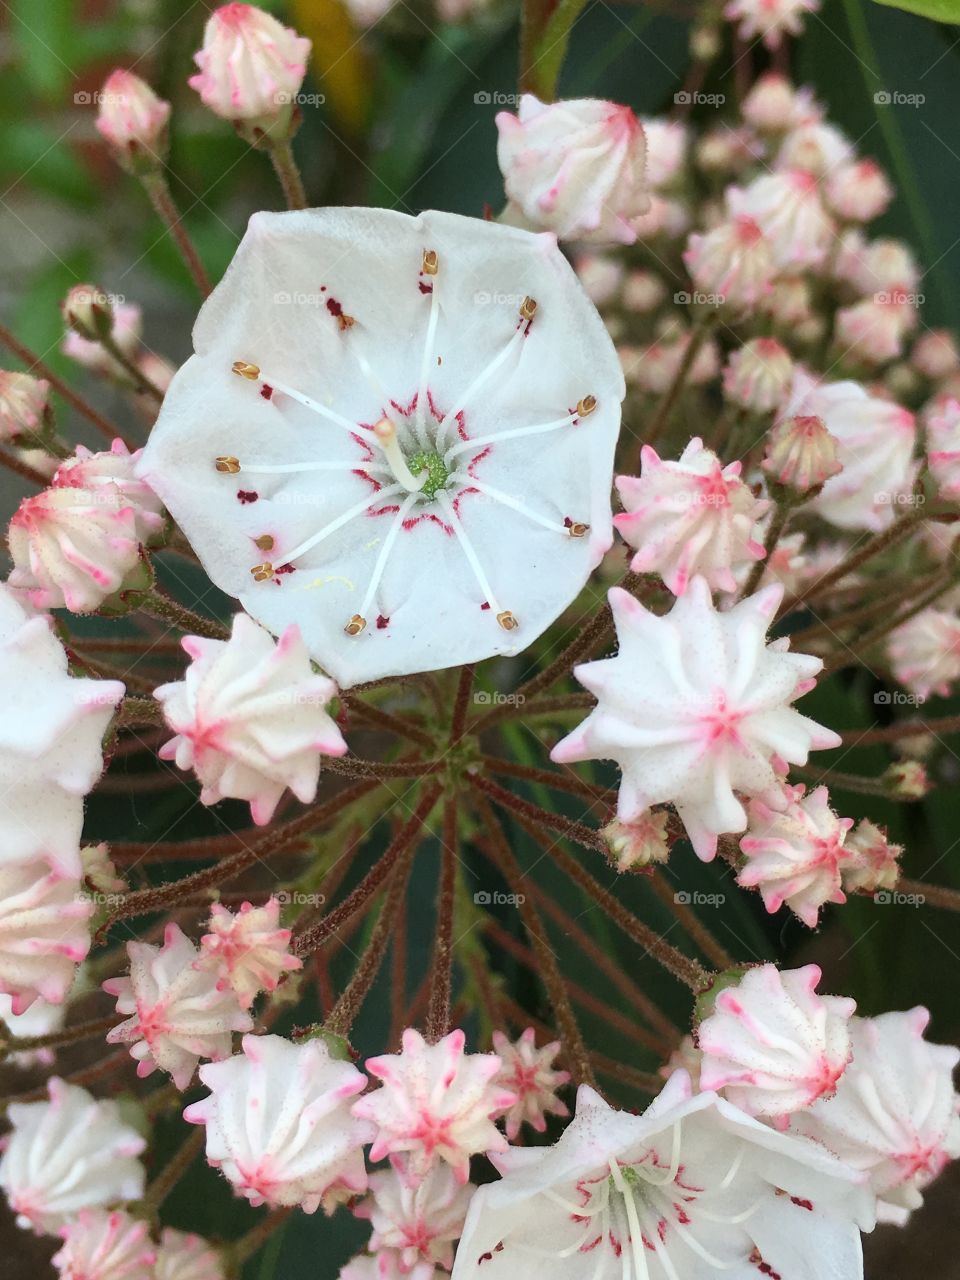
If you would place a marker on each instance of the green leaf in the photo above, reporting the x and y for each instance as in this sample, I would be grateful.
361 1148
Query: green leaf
43 35
935 10
552 47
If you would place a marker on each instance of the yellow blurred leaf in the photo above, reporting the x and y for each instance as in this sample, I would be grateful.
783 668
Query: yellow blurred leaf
339 61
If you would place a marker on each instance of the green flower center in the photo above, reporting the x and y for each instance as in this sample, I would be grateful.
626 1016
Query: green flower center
438 473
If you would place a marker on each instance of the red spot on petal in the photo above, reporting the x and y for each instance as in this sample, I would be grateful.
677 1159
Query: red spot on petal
246 496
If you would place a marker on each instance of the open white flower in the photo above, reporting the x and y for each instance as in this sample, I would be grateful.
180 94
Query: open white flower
414 463
70 1153
696 707
250 717
692 1188
51 735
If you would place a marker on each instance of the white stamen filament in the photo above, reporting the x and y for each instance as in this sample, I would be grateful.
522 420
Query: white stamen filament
425 364
498 496
671 1173
381 561
479 441
447 508
356 510
375 384
309 403
477 383
293 468
636 1233
386 433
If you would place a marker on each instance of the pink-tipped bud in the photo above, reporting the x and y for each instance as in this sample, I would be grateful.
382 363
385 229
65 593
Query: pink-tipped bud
859 191
23 403
639 844
801 454
758 375
872 861
643 292
935 354
88 311
774 105
733 263
251 69
907 780
133 120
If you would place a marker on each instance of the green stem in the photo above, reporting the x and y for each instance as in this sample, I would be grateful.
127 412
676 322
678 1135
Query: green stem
159 605
158 190
288 174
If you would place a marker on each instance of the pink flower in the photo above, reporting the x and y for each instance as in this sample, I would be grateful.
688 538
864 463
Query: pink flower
44 932
111 472
251 718
815 146
733 261
894 1116
689 517
773 105
247 950
788 209
436 1103
943 448
858 191
182 1256
251 67
769 19
132 118
794 851
874 329
925 652
872 861
178 1012
772 1044
100 1245
757 376
639 843
801 453
530 1073
73 548
935 354
23 403
68 1154
279 1124
416 1225
695 708
575 167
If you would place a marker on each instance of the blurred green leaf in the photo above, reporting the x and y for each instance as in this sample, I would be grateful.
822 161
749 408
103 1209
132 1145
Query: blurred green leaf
38 156
44 36
936 10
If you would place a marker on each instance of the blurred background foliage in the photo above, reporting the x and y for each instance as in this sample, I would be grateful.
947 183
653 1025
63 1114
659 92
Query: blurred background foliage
404 117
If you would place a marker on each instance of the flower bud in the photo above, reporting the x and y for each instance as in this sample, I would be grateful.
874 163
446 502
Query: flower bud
88 311
858 191
871 863
575 168
133 120
643 292
251 69
801 454
935 354
734 263
23 403
639 844
758 376
705 43
907 780
600 275
773 105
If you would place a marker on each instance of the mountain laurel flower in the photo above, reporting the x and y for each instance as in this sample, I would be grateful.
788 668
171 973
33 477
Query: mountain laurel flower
102 1245
435 1104
247 950
23 403
815 146
872 863
874 330
690 517
643 292
133 120
251 717
530 1074
876 440
642 843
801 454
51 740
668 142
695 707
789 211
894 1116
655 367
774 105
935 354
924 652
67 1154
885 264
733 262
794 851
178 1013
279 1125
943 448
111 471
772 1044
692 1187
184 1256
858 191
73 548
251 69
44 932
417 1225
770 20
575 167
88 311
758 375
426 444
386 1266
